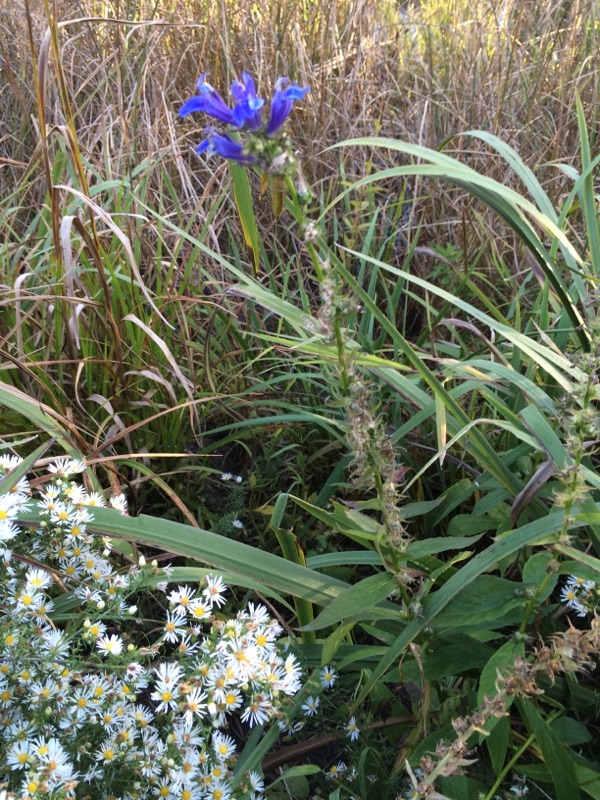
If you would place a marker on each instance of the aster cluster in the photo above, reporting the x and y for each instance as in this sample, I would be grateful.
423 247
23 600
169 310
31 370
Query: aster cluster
262 146
581 595
96 703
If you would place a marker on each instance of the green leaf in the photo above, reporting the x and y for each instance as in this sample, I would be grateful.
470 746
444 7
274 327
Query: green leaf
500 550
436 545
460 787
571 731
587 194
197 575
486 600
358 598
588 780
411 510
450 657
498 727
292 551
497 743
583 564
255 749
243 201
536 570
294 772
41 415
347 557
555 756
334 640
501 662
466 524
222 553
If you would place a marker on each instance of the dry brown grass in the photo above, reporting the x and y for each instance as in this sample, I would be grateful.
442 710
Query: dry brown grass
422 73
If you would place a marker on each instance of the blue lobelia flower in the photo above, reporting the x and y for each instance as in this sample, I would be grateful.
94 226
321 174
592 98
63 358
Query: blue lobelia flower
261 146
282 103
247 110
225 146
209 101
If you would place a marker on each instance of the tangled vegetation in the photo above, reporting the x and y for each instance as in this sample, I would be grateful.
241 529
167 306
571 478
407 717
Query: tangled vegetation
347 364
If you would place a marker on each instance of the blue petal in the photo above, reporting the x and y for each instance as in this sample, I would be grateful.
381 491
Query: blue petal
205 146
242 90
201 83
190 106
210 102
247 110
282 103
225 147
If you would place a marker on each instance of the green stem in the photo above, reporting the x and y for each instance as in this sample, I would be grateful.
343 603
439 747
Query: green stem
533 602
508 767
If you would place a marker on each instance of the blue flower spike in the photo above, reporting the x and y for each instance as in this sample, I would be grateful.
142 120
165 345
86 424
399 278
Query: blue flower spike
282 103
261 146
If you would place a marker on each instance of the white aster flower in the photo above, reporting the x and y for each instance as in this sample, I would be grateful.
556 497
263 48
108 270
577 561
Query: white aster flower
328 677
311 706
352 731
167 696
38 578
259 711
174 627
8 530
200 608
181 598
8 463
110 645
223 746
119 503
19 755
169 673
215 588
194 705
66 466
335 770
93 500
9 507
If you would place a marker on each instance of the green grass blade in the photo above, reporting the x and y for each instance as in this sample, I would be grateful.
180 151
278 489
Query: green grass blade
217 551
243 201
588 198
15 475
